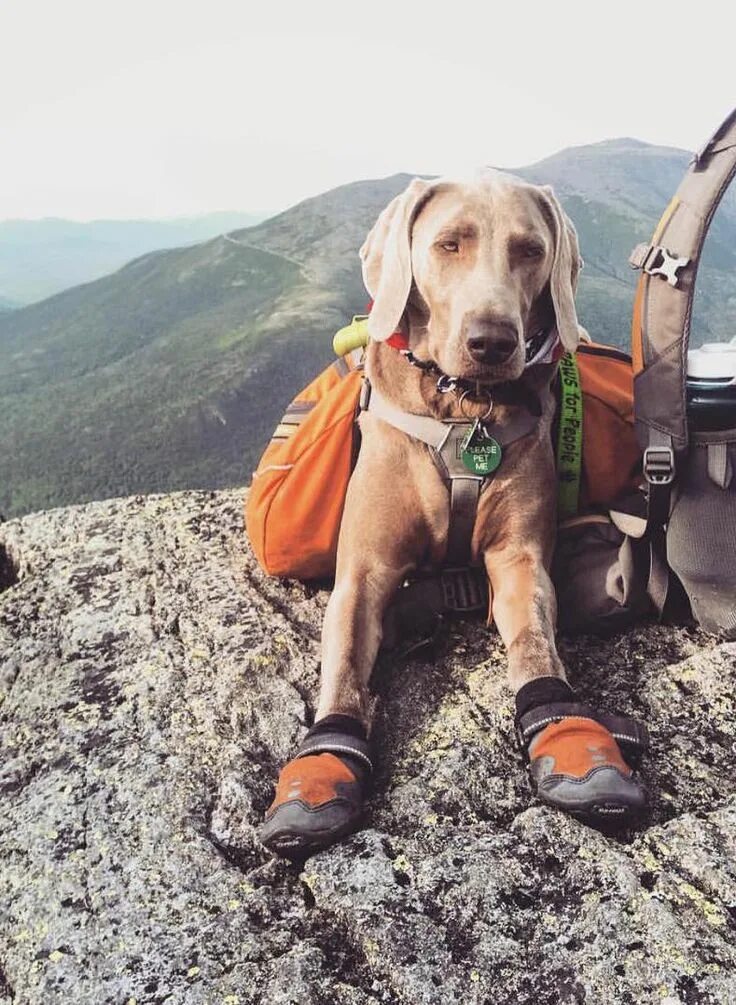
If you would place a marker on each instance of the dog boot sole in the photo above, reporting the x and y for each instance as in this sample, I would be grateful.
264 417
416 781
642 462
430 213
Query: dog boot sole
295 831
611 798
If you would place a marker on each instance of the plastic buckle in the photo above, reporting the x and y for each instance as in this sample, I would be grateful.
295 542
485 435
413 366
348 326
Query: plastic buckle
661 262
659 465
464 590
365 395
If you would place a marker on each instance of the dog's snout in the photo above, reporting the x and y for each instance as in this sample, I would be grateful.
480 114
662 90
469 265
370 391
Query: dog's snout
492 341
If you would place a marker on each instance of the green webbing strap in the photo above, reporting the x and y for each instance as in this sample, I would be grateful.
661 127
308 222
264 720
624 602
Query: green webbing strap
569 438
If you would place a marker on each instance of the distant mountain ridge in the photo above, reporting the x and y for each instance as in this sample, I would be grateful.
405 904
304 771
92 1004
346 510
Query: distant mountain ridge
41 257
621 172
172 372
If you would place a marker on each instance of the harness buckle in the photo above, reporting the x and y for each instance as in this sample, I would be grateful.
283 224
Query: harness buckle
464 590
659 465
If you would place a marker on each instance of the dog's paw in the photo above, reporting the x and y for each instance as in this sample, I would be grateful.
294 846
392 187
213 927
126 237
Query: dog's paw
319 799
576 765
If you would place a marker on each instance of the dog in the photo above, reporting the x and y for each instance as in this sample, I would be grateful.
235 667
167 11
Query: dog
467 273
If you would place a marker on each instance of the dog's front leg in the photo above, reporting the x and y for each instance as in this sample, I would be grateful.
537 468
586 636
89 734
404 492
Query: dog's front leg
525 611
320 792
352 632
575 761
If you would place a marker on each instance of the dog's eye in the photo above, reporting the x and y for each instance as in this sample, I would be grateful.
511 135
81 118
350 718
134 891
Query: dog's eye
450 246
529 251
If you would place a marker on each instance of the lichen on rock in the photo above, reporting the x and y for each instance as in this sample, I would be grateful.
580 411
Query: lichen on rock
153 681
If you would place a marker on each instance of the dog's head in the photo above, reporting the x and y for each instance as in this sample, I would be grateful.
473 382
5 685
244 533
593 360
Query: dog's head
478 267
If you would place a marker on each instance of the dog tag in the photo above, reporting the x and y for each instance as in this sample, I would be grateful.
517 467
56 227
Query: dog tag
481 454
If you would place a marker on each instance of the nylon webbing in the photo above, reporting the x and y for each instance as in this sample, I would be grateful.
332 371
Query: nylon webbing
664 302
464 496
569 438
458 586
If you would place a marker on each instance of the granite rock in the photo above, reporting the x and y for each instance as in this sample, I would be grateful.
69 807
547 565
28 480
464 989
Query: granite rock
153 681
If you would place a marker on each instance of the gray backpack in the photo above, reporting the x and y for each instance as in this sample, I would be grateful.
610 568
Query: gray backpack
685 405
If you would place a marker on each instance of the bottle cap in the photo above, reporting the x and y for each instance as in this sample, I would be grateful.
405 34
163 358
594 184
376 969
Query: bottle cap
713 361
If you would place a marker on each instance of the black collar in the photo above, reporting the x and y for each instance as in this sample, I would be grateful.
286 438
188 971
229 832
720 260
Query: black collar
506 392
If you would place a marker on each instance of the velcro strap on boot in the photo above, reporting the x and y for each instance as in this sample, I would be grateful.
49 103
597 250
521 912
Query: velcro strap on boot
632 735
337 743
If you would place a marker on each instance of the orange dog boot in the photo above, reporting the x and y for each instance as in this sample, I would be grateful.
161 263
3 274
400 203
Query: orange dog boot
319 795
576 763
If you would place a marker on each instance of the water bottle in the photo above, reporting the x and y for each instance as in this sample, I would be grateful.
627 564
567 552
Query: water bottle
711 386
701 530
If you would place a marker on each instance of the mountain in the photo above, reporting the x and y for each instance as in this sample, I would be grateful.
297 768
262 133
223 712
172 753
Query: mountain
7 305
615 192
172 372
41 257
169 373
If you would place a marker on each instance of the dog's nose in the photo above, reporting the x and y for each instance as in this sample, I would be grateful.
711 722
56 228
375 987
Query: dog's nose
492 342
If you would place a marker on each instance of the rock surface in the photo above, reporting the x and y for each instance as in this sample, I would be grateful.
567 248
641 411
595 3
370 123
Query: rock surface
153 681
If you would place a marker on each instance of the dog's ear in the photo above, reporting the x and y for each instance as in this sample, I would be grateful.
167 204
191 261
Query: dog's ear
563 279
386 258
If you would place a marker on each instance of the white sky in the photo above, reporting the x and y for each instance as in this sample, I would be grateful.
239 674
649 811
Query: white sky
138 108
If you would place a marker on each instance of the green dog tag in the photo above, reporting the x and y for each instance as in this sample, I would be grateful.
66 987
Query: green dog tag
481 454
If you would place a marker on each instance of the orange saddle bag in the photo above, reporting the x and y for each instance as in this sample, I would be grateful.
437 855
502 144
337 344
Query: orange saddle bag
294 507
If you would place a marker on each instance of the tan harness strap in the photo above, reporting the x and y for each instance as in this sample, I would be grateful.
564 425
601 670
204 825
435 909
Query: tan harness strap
420 427
464 497
437 434
445 441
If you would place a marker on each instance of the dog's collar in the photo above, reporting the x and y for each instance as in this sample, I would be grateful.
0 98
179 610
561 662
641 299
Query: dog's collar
544 347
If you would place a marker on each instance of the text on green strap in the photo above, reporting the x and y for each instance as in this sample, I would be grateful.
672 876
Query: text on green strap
569 438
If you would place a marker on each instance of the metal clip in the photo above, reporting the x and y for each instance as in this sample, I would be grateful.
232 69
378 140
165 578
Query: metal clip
445 383
472 397
659 465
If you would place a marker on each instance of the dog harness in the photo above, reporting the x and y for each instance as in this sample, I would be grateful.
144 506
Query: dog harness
461 585
445 439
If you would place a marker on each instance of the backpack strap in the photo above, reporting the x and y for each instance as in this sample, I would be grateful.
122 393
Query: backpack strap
663 304
661 331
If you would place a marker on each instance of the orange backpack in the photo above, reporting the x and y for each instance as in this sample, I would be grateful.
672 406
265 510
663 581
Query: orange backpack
294 507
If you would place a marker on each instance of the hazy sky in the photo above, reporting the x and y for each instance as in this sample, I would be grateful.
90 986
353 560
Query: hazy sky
122 108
